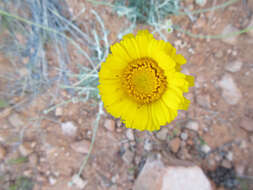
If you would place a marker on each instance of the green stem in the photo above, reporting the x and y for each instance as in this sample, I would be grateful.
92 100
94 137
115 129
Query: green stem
218 36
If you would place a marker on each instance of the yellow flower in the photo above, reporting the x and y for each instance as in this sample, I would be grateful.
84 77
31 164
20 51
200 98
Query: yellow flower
141 82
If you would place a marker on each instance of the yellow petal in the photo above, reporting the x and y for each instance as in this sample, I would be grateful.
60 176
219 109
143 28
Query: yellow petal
179 59
190 80
118 50
132 48
172 99
158 113
141 119
128 36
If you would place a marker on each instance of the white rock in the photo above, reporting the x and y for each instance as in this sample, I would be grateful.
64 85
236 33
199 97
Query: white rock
185 178
230 92
180 44
204 100
184 136
228 30
156 176
150 177
234 66
109 124
148 145
81 146
68 128
229 156
130 134
240 169
205 148
79 182
192 125
115 178
58 111
52 180
201 2
28 173
162 134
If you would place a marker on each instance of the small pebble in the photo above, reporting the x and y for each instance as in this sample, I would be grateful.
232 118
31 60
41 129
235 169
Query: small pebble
162 134
201 2
205 148
240 169
230 91
58 111
89 133
115 178
234 66
184 136
229 156
175 144
192 125
81 146
230 40
130 134
148 145
28 173
52 180
109 125
68 128
79 182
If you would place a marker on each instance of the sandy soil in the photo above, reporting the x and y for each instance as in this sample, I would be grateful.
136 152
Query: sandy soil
222 110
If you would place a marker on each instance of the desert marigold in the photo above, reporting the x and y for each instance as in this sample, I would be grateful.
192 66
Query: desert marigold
141 82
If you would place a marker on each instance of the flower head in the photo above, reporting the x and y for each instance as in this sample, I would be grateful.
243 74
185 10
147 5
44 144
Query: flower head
141 82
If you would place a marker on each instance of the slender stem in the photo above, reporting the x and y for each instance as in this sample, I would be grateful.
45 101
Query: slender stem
218 36
230 2
95 128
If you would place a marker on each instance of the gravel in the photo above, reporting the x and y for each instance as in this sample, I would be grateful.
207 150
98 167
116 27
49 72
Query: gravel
68 128
225 177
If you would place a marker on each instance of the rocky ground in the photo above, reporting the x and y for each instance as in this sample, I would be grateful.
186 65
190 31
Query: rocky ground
210 144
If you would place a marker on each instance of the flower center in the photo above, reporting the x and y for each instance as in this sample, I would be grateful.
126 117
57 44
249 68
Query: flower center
144 80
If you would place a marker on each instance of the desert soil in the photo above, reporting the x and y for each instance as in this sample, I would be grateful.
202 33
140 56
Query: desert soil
217 130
